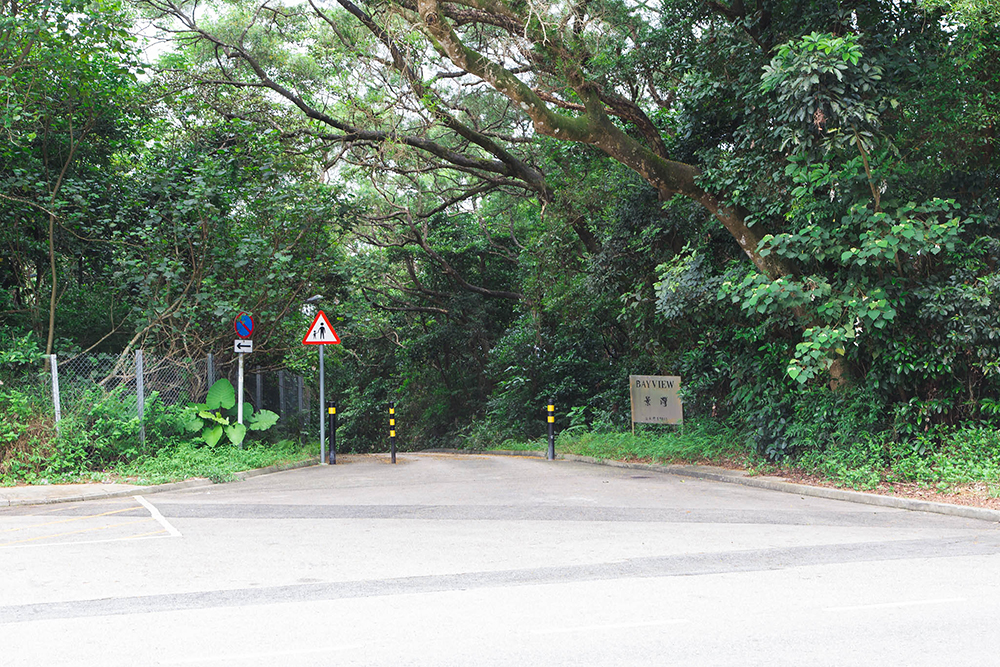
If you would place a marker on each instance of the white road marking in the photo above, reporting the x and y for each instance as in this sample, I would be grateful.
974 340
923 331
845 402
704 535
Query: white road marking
79 542
608 626
155 513
894 605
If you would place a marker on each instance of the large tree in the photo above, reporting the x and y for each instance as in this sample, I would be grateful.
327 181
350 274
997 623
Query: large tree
756 112
68 75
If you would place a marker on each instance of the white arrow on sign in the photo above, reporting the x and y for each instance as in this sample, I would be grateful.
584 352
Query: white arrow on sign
242 346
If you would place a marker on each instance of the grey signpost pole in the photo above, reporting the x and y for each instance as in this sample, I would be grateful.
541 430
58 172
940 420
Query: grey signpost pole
321 333
322 404
244 327
140 396
239 394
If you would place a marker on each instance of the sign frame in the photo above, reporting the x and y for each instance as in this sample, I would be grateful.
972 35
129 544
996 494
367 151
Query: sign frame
665 389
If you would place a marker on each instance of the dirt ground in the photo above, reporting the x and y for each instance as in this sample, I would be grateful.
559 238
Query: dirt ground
973 495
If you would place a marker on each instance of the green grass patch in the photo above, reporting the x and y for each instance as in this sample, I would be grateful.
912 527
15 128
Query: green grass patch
697 442
219 464
942 460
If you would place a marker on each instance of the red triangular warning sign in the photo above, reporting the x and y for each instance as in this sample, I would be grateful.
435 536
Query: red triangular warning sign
321 332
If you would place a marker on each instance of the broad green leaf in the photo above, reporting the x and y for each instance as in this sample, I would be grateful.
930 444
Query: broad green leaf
263 420
221 395
236 433
211 436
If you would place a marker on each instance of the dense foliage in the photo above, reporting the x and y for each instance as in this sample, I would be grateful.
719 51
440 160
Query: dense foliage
793 206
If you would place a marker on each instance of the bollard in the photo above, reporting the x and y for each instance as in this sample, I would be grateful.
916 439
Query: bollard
392 431
331 413
551 455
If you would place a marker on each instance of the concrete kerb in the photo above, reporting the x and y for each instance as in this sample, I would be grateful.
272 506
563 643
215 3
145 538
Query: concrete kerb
738 477
156 488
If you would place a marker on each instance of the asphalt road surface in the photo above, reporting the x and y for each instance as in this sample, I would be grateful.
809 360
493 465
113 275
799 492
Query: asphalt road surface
475 560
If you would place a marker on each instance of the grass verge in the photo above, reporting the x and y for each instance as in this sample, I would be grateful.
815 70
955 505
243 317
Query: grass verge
219 464
957 464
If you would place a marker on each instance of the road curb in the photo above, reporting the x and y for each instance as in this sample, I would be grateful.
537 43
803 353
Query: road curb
192 483
737 477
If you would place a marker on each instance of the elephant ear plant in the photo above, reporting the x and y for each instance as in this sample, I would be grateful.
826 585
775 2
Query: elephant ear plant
217 416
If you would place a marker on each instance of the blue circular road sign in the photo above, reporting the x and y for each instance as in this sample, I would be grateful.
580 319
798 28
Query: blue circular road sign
244 325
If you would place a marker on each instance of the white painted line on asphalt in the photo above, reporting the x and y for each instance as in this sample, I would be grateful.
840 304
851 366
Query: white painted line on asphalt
894 605
242 658
155 513
609 626
157 536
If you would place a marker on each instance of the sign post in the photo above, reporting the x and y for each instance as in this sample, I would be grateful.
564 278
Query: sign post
244 329
321 333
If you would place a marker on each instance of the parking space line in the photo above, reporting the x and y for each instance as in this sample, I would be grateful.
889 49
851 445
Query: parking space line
73 532
76 518
141 536
155 513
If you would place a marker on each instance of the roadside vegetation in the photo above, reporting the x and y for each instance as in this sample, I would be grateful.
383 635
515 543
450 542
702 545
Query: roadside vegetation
107 442
796 210
957 464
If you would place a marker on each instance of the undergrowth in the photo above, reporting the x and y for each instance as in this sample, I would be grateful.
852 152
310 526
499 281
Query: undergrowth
941 459
220 463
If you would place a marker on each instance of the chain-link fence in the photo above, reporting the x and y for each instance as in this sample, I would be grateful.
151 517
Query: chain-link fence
76 383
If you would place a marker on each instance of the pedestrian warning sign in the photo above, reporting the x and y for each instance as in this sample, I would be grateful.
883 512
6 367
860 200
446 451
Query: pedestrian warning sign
321 332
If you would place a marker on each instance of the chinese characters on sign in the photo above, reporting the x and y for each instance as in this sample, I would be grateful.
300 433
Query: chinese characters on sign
656 399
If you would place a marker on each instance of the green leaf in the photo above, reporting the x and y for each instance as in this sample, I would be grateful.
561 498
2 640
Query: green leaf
236 433
221 395
211 436
263 420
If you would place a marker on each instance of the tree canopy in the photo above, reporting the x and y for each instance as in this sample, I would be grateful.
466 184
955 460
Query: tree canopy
521 198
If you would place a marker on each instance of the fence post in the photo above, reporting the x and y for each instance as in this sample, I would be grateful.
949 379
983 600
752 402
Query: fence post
281 393
140 392
259 390
54 366
298 386
211 369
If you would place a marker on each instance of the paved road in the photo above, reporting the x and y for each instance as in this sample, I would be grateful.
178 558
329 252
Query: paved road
445 560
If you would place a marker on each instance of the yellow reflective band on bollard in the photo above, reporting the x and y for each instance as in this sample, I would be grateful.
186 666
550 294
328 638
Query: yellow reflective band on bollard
392 411
552 408
392 422
392 434
552 420
332 411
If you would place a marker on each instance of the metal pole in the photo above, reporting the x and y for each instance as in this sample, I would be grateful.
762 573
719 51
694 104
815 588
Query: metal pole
322 402
140 395
551 455
239 395
331 410
392 431
54 366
